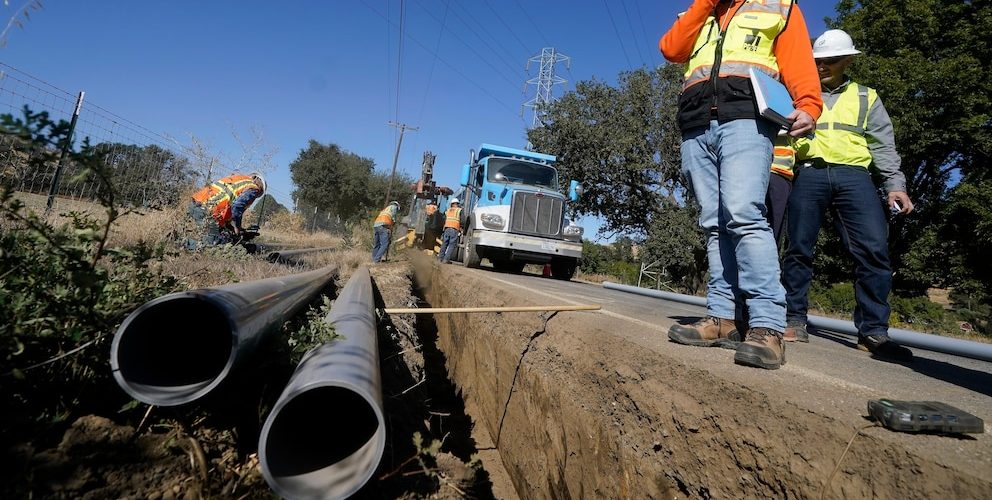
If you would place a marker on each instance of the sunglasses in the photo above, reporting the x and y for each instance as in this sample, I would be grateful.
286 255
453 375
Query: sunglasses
830 61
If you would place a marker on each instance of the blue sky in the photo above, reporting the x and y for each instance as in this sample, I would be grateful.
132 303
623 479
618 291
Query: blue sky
328 70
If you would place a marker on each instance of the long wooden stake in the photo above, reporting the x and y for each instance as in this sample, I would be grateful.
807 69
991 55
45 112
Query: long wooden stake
436 310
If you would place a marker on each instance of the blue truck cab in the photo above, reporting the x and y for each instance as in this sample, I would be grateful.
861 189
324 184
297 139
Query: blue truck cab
514 213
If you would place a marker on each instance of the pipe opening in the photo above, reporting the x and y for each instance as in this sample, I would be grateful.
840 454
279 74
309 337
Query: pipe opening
319 428
173 347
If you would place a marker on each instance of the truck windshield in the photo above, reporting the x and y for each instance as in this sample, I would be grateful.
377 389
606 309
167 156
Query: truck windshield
520 172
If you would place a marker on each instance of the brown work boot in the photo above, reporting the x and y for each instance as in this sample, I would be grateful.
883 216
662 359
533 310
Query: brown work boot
705 332
795 331
763 348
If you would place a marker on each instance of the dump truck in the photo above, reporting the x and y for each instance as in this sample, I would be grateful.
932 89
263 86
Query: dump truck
514 213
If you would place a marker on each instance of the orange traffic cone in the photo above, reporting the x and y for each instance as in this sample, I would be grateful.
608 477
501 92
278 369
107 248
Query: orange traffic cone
547 271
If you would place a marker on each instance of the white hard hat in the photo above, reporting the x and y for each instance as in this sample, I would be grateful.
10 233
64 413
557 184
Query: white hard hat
259 180
394 202
453 201
834 43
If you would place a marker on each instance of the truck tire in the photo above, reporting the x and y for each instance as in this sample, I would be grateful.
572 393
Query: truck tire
563 269
470 257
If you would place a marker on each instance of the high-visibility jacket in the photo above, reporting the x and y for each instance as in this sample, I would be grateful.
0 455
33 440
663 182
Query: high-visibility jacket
431 208
453 218
840 132
784 159
386 216
218 196
717 76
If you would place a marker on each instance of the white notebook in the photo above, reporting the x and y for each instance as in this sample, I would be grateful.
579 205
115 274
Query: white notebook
773 99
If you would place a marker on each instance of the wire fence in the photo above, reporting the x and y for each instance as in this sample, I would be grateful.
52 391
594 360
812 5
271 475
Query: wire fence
147 169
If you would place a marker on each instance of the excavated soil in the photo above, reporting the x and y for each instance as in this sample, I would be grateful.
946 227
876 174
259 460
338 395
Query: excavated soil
578 412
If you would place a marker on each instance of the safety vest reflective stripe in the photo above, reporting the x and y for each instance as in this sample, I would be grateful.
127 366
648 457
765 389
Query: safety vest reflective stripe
218 196
840 133
747 42
385 216
784 159
453 218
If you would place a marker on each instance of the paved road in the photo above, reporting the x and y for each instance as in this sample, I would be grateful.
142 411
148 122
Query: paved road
827 376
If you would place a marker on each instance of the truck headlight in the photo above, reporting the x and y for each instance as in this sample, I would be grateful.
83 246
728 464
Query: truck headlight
573 233
492 221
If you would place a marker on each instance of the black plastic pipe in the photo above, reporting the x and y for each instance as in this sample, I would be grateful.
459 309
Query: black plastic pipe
292 255
177 348
326 433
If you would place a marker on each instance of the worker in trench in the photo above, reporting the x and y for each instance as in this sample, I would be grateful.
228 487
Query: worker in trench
217 209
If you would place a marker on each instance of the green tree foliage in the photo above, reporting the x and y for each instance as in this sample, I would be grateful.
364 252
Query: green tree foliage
931 62
341 183
63 290
622 143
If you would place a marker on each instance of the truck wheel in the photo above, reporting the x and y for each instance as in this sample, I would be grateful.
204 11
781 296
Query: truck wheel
563 269
471 256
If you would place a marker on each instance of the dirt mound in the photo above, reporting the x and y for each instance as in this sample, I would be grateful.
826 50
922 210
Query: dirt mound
100 459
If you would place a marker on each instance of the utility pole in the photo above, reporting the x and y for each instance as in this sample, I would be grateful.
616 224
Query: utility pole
403 128
545 80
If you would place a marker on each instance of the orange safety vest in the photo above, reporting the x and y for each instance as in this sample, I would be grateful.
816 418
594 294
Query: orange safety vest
784 159
386 216
218 197
431 208
453 218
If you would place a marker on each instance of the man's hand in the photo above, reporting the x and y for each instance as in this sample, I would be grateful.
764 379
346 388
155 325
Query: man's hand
900 197
802 123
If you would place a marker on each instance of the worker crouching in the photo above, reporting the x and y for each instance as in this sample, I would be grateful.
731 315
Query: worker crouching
382 229
217 209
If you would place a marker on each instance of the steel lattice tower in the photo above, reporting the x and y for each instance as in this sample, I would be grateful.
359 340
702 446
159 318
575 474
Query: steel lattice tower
545 80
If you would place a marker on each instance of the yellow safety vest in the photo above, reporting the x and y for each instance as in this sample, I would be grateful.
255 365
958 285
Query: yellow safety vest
784 159
747 43
386 216
218 196
453 218
840 132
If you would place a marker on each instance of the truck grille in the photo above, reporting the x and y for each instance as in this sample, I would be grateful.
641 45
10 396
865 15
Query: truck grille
536 214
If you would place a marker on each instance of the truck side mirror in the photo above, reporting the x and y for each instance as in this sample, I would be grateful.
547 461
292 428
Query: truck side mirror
466 174
574 190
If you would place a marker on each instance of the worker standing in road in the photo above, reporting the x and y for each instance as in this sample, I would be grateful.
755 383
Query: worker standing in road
225 201
382 229
726 153
854 134
452 231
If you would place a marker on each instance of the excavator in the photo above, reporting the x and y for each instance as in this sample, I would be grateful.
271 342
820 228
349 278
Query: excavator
425 220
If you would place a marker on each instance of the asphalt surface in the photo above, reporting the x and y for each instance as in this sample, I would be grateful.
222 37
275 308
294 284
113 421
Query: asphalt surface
828 376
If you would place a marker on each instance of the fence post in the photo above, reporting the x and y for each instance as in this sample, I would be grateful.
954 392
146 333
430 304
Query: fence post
65 152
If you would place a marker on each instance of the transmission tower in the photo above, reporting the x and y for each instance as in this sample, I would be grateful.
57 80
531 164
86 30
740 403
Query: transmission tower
545 80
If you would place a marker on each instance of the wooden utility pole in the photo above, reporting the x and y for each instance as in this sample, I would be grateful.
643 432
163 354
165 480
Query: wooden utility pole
403 128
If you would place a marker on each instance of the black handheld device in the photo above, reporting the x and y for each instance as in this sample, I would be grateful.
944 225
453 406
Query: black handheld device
924 416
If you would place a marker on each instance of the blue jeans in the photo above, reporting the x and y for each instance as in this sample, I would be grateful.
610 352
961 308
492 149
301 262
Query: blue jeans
727 166
380 242
449 242
850 194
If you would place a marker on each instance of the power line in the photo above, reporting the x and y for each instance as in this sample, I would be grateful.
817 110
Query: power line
430 74
537 29
449 65
648 41
632 35
617 32
512 68
399 61
477 54
505 25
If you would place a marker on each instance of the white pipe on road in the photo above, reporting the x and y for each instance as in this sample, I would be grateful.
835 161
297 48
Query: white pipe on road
909 338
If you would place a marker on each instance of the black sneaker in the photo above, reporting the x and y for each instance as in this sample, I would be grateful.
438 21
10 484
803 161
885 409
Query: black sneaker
883 347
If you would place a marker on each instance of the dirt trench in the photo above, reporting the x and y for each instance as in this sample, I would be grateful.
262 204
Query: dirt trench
588 414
